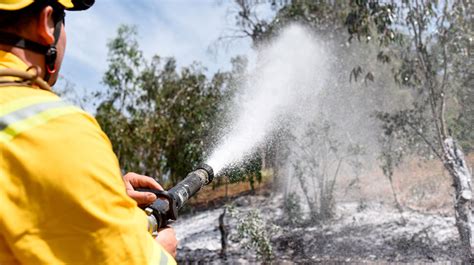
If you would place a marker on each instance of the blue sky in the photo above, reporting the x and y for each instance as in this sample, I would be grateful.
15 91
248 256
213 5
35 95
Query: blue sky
184 29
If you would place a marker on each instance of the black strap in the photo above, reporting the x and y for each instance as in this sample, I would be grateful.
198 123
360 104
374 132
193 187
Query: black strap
49 51
17 41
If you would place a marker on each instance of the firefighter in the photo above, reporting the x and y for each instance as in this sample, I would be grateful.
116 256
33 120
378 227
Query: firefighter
62 197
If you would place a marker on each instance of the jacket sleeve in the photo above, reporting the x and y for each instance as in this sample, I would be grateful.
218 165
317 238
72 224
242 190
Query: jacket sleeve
66 200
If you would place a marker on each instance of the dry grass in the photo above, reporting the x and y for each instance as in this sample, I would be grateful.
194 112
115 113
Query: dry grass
215 195
420 185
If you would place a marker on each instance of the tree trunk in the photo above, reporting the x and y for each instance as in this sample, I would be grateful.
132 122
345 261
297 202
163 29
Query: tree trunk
397 201
304 188
457 167
224 230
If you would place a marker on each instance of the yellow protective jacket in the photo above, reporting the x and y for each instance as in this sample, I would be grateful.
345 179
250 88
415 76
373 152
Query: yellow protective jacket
62 198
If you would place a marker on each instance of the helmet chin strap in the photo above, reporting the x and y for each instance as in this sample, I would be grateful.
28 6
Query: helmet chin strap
50 52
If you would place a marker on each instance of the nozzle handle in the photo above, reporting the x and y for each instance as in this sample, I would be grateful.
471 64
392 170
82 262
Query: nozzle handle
164 207
158 193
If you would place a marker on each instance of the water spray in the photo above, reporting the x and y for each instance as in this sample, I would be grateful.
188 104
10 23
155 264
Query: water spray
280 92
165 208
285 82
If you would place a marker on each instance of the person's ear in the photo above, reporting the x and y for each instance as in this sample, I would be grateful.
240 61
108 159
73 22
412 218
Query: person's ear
45 26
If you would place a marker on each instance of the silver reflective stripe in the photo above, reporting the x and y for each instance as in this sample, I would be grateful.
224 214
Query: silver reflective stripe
29 111
163 258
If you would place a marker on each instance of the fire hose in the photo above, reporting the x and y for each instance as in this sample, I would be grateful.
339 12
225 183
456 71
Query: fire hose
165 208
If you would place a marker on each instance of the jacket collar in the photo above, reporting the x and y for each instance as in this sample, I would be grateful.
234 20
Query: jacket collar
9 60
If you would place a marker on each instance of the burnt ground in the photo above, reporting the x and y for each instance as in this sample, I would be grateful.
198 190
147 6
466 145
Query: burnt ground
349 245
374 233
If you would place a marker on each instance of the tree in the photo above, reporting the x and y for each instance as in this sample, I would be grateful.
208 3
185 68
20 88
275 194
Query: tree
430 40
159 119
317 158
319 15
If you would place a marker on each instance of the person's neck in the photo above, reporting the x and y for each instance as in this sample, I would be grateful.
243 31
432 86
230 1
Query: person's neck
28 57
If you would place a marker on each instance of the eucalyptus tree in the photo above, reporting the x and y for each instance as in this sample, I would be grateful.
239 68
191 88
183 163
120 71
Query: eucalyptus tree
159 119
430 41
428 45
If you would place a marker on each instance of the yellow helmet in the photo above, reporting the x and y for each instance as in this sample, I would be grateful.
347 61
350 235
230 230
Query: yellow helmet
12 5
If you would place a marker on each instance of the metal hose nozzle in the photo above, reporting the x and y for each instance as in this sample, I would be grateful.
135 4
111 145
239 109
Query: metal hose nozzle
169 202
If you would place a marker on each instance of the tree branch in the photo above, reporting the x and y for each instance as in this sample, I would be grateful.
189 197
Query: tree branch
423 137
427 69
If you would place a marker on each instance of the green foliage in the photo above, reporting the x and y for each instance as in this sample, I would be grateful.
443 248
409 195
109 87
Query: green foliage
367 16
249 171
318 15
429 41
159 119
254 233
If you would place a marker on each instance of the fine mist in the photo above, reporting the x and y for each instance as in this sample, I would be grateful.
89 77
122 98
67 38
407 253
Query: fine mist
289 72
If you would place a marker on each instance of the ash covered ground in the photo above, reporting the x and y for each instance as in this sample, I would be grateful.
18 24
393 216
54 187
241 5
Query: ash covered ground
372 233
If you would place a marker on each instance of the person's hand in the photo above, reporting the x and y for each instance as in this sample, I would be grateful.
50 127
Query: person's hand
133 181
167 239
